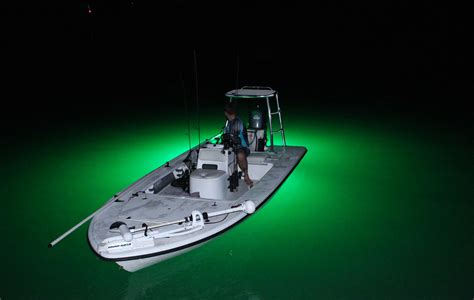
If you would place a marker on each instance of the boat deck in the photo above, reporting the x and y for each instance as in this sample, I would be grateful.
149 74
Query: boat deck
181 194
136 207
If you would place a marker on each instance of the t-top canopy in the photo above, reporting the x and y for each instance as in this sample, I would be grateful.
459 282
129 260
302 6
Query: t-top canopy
251 92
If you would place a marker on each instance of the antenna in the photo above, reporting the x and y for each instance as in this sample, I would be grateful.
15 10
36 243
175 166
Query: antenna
186 108
237 71
197 99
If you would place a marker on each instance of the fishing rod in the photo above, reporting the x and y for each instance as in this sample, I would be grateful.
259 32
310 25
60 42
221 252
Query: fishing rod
237 71
186 109
197 98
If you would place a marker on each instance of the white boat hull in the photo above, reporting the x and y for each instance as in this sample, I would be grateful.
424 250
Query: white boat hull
157 230
138 264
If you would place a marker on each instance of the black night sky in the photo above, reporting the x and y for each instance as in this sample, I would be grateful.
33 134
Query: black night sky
96 58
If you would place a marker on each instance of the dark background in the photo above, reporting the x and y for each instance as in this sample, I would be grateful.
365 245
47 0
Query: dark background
65 63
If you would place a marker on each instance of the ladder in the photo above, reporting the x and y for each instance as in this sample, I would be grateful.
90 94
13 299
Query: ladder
270 114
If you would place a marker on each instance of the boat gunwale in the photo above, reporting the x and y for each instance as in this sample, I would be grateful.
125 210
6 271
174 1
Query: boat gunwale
207 238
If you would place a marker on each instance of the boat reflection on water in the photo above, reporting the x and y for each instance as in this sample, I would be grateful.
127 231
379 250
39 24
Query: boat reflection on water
194 276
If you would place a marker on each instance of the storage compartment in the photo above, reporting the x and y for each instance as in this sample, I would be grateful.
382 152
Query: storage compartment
211 184
215 158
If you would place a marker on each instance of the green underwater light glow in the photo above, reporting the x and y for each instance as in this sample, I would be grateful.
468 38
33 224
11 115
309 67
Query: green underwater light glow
368 213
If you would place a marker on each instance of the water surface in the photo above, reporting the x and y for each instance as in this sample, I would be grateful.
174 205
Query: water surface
378 208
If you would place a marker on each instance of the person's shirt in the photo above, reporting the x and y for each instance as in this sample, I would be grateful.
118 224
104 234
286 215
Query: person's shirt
237 128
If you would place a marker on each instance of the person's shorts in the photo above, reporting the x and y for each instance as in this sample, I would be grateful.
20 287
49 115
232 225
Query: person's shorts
244 150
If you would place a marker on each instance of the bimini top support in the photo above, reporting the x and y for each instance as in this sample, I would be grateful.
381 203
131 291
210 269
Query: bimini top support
255 92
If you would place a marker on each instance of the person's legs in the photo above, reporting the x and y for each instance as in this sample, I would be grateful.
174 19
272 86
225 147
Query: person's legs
243 164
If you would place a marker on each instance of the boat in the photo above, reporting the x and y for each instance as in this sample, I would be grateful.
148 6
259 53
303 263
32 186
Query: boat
196 196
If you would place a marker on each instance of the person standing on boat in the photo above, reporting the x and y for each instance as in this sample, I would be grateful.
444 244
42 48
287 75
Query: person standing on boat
236 127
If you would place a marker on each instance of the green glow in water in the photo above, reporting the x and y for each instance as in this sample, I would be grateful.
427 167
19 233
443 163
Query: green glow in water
367 213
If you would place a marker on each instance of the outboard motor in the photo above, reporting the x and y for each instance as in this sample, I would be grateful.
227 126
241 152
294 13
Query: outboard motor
256 120
257 132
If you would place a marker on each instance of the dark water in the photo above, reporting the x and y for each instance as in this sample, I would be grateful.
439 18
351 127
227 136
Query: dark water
378 208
